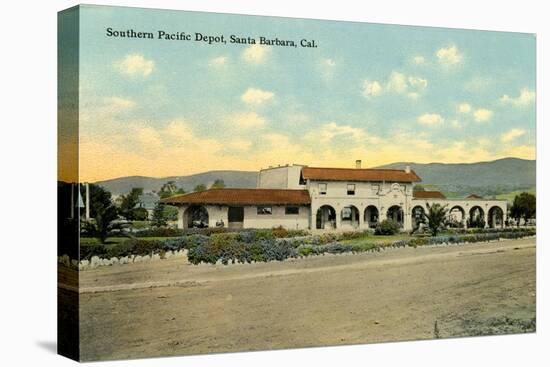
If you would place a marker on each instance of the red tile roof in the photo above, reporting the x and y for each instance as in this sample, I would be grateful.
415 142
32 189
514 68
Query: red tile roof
242 197
358 174
428 195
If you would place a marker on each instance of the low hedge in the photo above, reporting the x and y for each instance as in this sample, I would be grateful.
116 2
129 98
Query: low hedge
262 245
126 248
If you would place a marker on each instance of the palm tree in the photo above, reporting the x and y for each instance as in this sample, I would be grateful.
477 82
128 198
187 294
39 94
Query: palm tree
435 217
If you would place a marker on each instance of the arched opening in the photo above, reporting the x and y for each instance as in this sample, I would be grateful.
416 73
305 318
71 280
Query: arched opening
395 213
196 216
477 218
371 216
326 217
350 216
496 217
418 216
456 217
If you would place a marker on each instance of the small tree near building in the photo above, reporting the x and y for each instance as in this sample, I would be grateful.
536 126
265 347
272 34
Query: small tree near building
436 217
524 206
159 218
140 214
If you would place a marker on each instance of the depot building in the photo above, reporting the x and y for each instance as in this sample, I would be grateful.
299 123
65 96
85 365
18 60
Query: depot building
330 199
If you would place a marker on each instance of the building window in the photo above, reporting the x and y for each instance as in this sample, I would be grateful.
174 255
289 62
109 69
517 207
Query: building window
292 210
322 189
351 189
264 210
375 189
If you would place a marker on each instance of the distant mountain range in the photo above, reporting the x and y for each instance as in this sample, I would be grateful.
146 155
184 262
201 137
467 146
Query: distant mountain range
484 178
123 185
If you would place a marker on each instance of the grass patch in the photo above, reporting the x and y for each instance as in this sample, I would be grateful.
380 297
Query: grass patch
381 239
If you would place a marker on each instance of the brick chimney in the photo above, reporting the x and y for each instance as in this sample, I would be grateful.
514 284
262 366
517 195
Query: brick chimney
408 169
358 164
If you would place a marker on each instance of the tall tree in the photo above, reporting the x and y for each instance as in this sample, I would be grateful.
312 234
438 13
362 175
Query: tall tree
524 206
170 189
200 187
218 184
129 202
103 211
99 198
436 216
159 218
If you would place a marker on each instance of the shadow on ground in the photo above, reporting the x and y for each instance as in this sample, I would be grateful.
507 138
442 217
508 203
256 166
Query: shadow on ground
48 345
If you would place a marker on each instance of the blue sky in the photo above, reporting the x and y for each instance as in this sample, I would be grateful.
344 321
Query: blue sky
374 92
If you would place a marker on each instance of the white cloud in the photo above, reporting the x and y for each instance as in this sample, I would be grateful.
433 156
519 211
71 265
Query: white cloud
525 98
327 67
331 130
248 120
105 111
419 60
371 88
135 64
511 135
478 84
430 119
256 96
417 82
483 115
398 83
464 108
329 62
179 130
218 62
255 54
449 55
148 137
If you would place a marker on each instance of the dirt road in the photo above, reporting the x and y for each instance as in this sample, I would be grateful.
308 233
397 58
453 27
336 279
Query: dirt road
169 307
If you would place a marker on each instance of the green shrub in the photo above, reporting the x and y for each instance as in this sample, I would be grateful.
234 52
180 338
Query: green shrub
258 245
159 232
280 232
143 247
387 227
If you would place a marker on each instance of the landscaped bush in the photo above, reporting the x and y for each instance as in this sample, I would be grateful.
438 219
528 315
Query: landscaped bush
86 252
230 249
180 243
387 227
159 232
126 248
261 245
353 235
143 247
488 230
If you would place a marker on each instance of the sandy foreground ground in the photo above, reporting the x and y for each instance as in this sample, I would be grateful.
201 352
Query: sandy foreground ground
171 307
